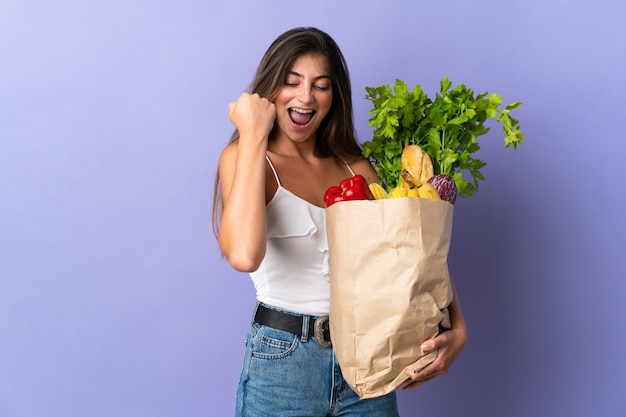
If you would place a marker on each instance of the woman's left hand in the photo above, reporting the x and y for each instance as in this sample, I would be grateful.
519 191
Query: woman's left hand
450 344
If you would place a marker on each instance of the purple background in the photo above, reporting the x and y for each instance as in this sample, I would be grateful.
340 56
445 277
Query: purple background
113 298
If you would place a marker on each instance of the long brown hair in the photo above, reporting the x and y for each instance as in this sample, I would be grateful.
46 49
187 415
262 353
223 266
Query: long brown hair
335 136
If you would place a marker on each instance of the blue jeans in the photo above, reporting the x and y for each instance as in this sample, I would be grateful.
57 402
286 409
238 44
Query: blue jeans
285 375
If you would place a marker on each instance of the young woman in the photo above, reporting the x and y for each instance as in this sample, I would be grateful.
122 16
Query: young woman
294 138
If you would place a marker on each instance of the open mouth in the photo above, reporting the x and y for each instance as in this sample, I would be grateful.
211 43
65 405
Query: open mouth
301 116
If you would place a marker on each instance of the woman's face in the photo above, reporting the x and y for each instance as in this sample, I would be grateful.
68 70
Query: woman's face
304 99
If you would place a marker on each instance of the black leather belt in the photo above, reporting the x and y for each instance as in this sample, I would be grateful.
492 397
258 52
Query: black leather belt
318 326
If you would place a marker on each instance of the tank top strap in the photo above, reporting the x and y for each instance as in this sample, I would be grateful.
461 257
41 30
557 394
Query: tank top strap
273 170
352 172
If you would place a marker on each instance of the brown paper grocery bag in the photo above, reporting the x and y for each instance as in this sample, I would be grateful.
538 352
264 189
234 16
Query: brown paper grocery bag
389 287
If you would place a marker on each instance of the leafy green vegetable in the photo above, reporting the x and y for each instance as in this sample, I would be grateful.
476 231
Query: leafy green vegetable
447 128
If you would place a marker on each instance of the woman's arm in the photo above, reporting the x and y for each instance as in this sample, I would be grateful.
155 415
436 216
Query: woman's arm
242 176
450 344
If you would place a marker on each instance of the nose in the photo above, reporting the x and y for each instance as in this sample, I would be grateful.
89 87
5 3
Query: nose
305 93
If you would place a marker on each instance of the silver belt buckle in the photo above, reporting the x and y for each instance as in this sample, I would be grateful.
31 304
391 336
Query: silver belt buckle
319 332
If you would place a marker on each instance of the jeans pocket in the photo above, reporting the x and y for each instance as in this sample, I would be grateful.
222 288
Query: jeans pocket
268 343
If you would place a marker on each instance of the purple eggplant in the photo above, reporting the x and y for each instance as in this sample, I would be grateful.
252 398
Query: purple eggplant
445 186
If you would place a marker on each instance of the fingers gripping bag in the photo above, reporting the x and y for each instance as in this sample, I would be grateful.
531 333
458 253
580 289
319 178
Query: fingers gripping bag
389 287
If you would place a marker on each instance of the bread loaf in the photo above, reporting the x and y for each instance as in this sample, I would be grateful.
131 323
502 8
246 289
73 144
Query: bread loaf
417 162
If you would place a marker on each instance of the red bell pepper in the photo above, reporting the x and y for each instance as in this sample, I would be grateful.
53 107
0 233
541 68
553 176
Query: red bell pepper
354 188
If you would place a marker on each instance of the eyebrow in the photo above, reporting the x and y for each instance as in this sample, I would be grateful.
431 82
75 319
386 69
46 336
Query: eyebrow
319 77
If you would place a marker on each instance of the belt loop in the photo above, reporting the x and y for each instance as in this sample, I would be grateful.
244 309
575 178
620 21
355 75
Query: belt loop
256 308
305 328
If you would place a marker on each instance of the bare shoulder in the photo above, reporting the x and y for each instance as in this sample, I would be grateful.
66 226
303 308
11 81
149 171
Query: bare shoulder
362 166
228 157
229 152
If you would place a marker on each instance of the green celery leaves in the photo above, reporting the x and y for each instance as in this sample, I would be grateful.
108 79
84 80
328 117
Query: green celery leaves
447 128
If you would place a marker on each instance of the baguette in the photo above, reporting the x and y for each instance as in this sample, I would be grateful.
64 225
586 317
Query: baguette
418 163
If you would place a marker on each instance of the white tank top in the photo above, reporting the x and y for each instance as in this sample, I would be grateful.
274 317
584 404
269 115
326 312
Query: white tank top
294 273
